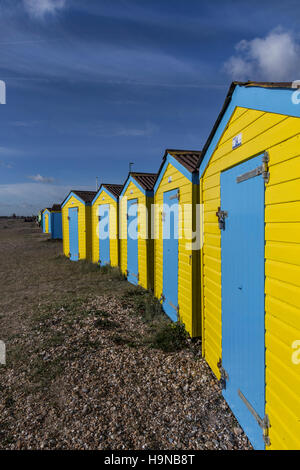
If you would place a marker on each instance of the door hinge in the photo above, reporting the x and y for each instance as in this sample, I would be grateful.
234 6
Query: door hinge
163 216
175 308
265 167
264 422
221 218
259 170
224 375
162 298
69 217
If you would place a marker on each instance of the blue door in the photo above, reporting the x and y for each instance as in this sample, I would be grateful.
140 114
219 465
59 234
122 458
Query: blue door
49 222
104 241
73 233
170 253
243 300
132 241
56 225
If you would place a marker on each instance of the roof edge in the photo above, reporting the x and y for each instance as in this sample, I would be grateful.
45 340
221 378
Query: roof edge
228 99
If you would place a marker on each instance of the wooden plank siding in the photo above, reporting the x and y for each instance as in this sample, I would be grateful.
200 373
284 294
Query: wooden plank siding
84 228
145 244
280 136
188 259
113 228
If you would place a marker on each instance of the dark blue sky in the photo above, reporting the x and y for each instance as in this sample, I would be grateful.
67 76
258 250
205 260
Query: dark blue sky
93 85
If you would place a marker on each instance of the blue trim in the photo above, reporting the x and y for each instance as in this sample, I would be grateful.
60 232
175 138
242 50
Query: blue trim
193 177
132 243
272 100
243 290
170 255
132 180
73 233
102 188
76 197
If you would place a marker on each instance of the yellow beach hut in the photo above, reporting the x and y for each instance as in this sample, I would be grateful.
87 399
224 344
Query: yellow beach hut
46 220
176 245
77 225
105 224
136 243
250 188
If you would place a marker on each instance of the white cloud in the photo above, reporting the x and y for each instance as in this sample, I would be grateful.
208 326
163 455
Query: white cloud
274 57
41 179
107 130
40 8
8 151
4 164
29 198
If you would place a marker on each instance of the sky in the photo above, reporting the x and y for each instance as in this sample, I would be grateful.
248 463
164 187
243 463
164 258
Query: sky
94 85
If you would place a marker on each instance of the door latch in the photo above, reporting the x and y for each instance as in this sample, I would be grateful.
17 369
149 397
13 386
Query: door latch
176 196
221 218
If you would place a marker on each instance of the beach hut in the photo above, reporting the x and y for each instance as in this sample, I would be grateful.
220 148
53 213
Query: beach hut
46 220
56 222
176 249
136 243
77 225
250 188
39 219
105 224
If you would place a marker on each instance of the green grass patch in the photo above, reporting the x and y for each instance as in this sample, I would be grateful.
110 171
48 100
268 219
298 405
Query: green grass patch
143 303
169 337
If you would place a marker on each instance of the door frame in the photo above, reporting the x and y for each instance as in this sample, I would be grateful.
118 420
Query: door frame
72 256
171 309
263 421
133 278
101 206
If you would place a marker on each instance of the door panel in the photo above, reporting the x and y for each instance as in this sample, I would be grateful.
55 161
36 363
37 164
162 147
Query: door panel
104 241
73 233
46 223
132 241
243 309
170 254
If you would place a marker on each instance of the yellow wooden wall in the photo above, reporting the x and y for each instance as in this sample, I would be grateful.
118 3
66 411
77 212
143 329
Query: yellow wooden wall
145 243
188 259
280 136
46 218
113 228
84 228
